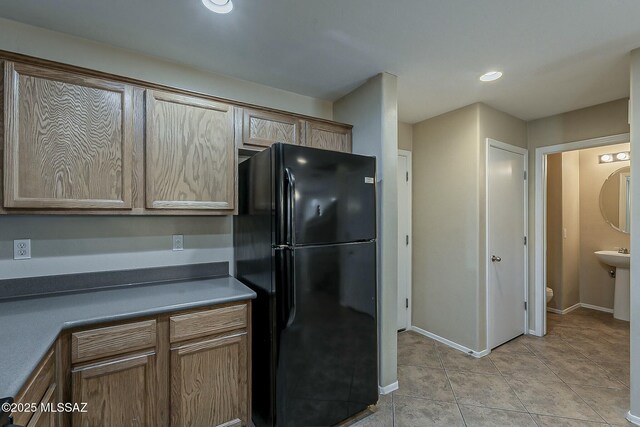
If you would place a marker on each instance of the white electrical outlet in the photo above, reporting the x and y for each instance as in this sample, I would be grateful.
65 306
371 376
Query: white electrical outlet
22 249
178 242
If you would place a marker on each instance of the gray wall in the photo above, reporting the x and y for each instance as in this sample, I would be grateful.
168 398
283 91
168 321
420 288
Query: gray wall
75 244
56 46
79 244
449 157
635 243
372 109
445 299
405 136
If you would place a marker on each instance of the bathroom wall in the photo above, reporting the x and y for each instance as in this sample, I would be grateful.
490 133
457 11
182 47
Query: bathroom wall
554 229
405 136
596 286
606 119
449 223
563 229
571 231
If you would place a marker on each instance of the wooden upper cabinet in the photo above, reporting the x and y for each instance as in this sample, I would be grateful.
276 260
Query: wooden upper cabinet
328 136
260 129
67 140
190 153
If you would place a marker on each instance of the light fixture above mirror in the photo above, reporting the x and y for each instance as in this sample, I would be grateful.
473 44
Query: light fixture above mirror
615 157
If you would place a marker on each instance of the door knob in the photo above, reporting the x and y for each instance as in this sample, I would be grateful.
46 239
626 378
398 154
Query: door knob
495 258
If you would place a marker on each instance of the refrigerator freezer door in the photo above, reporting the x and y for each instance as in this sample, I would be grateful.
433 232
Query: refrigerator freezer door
335 195
327 340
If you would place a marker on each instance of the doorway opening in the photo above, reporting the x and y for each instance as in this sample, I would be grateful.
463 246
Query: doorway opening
557 215
587 223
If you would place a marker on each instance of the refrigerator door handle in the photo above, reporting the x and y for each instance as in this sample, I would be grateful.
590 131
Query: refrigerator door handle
291 207
291 286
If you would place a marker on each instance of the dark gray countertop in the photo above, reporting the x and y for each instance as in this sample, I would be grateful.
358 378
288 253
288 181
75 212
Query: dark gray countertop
30 325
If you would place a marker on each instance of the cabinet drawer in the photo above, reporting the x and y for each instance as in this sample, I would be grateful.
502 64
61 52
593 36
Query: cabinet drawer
103 342
209 322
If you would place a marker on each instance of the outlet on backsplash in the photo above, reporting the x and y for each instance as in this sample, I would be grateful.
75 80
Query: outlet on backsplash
178 242
22 249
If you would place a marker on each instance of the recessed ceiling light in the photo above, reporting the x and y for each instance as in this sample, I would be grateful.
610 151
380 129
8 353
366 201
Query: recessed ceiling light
490 76
218 6
606 158
622 156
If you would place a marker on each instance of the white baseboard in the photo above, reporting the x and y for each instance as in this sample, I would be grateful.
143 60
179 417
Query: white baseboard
595 307
451 344
566 310
533 332
578 305
388 388
633 418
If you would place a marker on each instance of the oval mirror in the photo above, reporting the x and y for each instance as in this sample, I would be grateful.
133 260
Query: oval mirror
615 199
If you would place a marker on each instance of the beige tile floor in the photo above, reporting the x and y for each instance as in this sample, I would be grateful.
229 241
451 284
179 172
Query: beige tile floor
577 375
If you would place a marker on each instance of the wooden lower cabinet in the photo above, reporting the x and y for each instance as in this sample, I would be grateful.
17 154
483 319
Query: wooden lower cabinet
48 418
182 369
209 384
118 392
39 389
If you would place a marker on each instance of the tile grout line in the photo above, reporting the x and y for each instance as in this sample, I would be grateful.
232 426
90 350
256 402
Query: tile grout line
393 409
450 386
509 385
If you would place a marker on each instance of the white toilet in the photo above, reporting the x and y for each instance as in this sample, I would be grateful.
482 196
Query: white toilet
549 294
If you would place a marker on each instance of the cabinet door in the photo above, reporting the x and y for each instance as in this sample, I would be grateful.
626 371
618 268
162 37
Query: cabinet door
47 418
260 129
328 136
191 159
68 140
36 390
209 382
119 392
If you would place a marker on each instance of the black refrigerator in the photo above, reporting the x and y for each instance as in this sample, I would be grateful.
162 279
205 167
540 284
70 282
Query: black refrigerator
304 241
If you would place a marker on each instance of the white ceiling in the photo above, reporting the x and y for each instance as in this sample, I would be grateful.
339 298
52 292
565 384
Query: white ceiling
557 55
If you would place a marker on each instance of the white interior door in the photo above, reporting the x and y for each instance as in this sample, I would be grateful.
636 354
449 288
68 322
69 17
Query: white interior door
404 243
506 243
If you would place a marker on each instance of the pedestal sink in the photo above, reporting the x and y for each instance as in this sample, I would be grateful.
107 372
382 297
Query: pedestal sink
621 297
